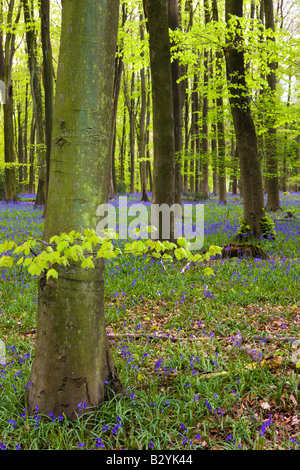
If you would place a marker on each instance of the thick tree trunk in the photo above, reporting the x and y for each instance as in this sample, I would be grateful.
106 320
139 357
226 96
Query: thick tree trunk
243 124
72 362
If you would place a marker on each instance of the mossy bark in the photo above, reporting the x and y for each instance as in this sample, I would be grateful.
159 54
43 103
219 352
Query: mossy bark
73 363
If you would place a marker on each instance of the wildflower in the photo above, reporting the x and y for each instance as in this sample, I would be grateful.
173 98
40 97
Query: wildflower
158 364
99 442
208 405
265 425
81 406
151 445
13 422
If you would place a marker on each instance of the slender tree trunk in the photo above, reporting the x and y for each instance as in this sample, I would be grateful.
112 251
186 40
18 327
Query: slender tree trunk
195 140
272 182
123 147
234 170
48 85
214 154
220 121
31 183
204 187
6 60
132 119
20 149
36 92
72 362
25 139
142 128
243 123
173 18
163 116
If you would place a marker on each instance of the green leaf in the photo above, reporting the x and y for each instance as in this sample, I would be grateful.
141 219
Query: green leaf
208 272
52 273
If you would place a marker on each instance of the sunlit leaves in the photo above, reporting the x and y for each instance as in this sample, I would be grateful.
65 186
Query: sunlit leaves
83 250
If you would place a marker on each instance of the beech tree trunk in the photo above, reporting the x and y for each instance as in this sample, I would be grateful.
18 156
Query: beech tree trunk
48 84
142 128
7 51
243 123
73 362
204 187
173 18
162 102
220 122
37 100
272 180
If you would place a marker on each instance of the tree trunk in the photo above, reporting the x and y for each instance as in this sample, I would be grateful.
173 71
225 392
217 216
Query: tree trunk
72 362
163 117
204 187
173 18
48 85
20 150
272 182
142 128
220 122
6 60
243 123
37 100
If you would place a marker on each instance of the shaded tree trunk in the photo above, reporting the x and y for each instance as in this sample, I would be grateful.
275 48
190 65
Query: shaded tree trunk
37 100
163 117
142 128
272 182
204 187
220 122
173 19
48 85
243 122
6 59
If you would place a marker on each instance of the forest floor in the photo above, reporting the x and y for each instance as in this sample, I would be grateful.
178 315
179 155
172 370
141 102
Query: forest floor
206 361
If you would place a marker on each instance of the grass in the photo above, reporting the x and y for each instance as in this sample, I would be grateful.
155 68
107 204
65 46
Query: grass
193 352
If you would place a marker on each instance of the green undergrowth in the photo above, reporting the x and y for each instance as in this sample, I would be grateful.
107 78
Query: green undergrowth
205 361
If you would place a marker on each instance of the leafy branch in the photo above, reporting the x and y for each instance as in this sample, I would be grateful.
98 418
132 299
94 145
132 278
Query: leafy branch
84 249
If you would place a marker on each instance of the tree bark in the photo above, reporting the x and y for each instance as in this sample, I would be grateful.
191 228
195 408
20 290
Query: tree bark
243 122
73 362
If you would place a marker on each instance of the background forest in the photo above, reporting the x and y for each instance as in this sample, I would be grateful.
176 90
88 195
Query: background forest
197 353
207 146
